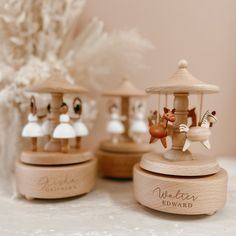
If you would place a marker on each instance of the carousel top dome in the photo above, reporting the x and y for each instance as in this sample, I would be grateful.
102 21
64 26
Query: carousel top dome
125 89
56 83
183 82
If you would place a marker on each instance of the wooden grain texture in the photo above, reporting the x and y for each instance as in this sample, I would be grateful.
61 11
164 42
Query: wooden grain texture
54 182
199 165
180 195
125 113
124 147
34 145
116 160
181 117
117 165
56 83
125 89
178 181
183 82
178 139
56 158
54 145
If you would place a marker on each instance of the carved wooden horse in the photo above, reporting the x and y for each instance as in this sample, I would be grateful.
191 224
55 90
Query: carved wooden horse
160 130
199 133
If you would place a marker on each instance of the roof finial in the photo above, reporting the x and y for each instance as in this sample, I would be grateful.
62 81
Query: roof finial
183 64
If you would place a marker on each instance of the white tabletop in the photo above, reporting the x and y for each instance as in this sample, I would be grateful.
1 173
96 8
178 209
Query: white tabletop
111 210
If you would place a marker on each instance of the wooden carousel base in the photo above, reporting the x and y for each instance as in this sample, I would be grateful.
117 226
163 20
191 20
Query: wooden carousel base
54 182
180 195
55 158
127 147
116 160
117 165
199 165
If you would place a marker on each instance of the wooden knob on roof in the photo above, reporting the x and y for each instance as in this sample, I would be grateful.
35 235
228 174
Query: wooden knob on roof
183 64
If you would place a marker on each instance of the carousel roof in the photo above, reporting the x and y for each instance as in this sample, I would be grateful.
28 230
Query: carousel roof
183 81
125 89
56 83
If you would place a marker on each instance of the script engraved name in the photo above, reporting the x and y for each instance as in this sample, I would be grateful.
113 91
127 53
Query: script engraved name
62 183
178 198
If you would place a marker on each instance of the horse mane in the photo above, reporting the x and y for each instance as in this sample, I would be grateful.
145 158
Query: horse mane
204 120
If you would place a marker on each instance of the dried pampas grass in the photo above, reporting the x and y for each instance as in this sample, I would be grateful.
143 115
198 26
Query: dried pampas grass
39 35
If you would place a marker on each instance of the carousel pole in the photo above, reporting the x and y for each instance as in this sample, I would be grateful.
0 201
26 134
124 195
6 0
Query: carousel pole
125 114
54 144
200 108
178 138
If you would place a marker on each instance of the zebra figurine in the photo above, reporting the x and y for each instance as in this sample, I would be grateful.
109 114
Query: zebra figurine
200 133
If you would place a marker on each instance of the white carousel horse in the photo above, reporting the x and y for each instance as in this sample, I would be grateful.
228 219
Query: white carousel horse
199 133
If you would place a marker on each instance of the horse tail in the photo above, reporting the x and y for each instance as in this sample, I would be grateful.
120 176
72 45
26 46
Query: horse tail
183 128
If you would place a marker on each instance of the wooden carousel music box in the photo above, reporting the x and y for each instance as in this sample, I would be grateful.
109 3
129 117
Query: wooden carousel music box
179 181
59 169
125 148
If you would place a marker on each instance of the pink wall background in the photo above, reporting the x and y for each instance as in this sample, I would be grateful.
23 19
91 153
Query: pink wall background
203 32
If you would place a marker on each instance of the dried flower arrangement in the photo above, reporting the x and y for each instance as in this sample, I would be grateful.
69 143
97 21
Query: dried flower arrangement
38 35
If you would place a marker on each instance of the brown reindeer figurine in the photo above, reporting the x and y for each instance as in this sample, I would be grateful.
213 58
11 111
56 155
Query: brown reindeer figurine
160 130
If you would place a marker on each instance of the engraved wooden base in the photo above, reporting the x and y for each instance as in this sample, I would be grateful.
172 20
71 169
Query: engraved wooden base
180 195
116 160
199 165
54 182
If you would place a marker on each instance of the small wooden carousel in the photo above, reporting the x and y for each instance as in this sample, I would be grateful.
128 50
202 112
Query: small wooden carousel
58 170
179 181
125 148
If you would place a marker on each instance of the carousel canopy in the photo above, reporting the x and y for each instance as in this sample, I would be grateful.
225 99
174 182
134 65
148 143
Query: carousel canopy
125 89
183 82
56 83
